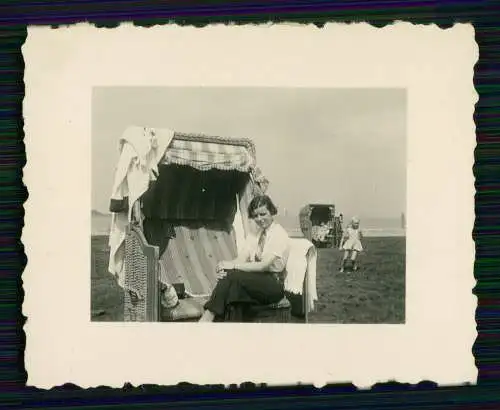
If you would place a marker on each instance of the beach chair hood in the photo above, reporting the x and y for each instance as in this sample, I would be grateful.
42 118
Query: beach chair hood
144 152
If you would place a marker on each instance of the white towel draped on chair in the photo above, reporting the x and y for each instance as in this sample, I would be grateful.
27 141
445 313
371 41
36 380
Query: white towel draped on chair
302 259
141 150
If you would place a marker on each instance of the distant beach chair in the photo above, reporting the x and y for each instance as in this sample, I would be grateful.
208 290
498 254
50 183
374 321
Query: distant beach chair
311 218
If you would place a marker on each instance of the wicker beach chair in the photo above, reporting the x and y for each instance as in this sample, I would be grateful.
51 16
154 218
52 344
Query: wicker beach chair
186 227
311 216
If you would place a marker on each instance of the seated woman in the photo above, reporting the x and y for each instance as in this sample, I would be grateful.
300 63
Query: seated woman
256 276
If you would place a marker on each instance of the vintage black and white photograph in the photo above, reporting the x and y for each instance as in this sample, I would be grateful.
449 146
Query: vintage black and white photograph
248 204
303 195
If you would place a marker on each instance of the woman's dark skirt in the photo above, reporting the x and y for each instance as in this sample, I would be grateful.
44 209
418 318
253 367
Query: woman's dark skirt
245 288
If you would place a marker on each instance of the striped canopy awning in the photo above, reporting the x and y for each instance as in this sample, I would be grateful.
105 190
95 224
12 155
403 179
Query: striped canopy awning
204 156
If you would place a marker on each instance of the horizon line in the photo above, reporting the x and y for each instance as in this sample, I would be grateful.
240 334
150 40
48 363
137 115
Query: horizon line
361 217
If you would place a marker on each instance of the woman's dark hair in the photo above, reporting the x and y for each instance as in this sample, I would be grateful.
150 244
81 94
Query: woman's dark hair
261 200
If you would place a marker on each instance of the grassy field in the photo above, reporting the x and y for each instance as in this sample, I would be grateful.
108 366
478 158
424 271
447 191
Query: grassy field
374 294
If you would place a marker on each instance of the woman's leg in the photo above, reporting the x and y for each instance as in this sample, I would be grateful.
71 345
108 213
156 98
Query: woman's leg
245 288
217 302
260 287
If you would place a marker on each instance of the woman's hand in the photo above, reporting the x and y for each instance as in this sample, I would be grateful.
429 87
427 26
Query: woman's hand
229 265
225 265
222 268
220 274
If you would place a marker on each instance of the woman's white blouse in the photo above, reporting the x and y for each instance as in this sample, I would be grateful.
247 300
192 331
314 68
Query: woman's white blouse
277 244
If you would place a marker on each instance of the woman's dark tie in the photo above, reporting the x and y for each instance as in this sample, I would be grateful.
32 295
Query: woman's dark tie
260 245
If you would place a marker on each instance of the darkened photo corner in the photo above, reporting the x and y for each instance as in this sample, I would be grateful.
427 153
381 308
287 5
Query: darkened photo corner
255 205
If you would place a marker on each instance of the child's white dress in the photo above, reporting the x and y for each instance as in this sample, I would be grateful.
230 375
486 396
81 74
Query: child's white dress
353 241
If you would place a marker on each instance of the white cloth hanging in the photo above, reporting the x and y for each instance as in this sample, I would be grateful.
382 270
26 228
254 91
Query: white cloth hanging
302 259
141 150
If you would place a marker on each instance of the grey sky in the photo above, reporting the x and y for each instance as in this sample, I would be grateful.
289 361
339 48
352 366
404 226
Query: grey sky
341 146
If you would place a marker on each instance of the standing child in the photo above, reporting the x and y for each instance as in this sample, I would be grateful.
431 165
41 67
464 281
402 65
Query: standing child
351 243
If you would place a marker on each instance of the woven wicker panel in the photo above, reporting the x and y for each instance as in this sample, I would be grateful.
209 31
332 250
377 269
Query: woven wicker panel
135 280
141 287
282 315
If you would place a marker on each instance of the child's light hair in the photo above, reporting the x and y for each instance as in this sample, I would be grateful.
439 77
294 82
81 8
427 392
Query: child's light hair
354 220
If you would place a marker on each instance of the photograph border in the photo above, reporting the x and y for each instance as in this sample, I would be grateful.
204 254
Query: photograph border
344 298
